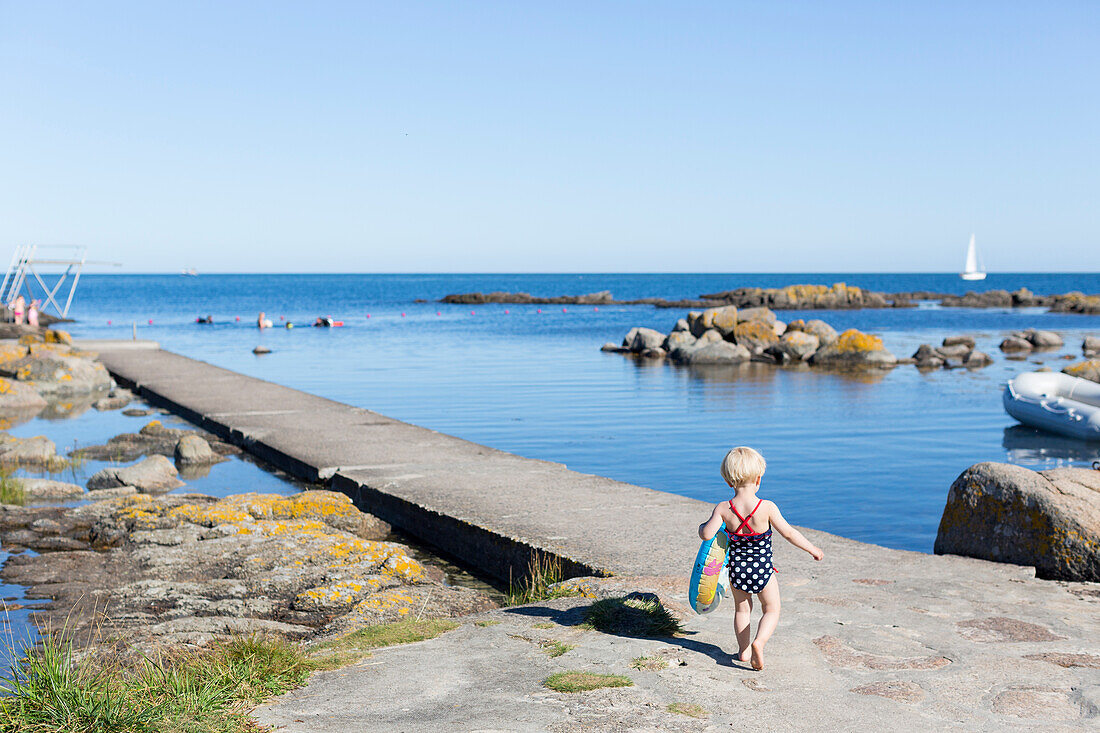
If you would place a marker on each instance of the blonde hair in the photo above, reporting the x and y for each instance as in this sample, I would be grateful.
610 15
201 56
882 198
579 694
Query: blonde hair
743 465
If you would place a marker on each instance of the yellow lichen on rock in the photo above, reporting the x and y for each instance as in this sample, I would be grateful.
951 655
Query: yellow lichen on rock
385 603
209 515
12 351
853 340
315 504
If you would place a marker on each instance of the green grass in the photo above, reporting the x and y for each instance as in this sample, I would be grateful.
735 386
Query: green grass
543 625
577 681
56 689
358 644
651 664
689 709
11 489
555 648
486 622
543 571
631 617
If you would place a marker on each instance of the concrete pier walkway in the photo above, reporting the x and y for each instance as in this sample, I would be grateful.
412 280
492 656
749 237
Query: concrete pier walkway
489 508
870 637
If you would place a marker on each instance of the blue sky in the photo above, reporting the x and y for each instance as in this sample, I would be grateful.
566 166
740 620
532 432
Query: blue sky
566 136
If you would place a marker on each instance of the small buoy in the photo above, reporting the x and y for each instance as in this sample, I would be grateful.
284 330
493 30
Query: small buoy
108 323
540 310
438 313
368 315
289 324
402 314
150 321
261 350
282 318
505 311
597 308
563 310
238 318
471 313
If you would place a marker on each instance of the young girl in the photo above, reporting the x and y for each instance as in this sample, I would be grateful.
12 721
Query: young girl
749 522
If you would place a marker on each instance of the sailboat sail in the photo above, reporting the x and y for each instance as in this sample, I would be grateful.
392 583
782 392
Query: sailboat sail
972 271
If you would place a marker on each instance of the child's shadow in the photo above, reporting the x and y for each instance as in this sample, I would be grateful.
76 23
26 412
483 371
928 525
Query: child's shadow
578 615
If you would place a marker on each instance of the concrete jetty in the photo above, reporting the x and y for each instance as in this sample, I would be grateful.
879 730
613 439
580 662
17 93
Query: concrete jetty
486 507
870 637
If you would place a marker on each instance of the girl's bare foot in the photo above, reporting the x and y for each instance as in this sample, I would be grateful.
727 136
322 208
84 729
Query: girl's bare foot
743 655
757 656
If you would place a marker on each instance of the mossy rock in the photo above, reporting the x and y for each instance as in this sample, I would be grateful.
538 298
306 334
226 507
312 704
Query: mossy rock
755 335
1089 369
854 349
1005 513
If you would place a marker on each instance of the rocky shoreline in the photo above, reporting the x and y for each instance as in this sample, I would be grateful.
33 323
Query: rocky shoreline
123 559
838 296
189 568
728 336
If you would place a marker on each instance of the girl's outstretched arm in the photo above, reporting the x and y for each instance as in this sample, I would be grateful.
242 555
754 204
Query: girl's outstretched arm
710 527
791 534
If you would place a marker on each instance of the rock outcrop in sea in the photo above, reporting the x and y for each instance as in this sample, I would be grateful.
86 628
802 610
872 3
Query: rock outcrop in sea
1007 513
838 296
728 335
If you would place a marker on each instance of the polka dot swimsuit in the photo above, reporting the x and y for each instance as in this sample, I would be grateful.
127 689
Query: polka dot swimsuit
750 555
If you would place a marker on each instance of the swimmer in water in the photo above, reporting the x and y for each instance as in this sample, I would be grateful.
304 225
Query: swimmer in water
262 321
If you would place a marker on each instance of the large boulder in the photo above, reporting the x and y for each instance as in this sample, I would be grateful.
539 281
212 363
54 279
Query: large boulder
155 474
697 323
977 359
1015 344
646 339
719 352
854 349
628 339
679 340
926 357
1006 513
1090 346
1089 369
967 341
825 333
757 314
15 395
755 335
724 319
38 451
48 489
1041 339
956 351
192 449
55 371
797 345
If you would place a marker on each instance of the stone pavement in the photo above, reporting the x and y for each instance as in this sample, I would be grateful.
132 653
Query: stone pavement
870 637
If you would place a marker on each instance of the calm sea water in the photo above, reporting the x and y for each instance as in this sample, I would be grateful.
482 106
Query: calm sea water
868 457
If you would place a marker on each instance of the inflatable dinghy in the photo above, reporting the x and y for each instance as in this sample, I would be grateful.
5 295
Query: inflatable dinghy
1056 402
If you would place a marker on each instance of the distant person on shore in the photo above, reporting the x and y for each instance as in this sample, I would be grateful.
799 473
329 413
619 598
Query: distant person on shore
18 309
32 314
263 321
750 549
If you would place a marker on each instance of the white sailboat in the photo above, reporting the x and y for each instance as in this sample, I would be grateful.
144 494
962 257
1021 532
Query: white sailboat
972 271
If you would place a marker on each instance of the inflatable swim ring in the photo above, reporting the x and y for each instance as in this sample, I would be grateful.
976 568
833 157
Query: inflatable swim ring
706 589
